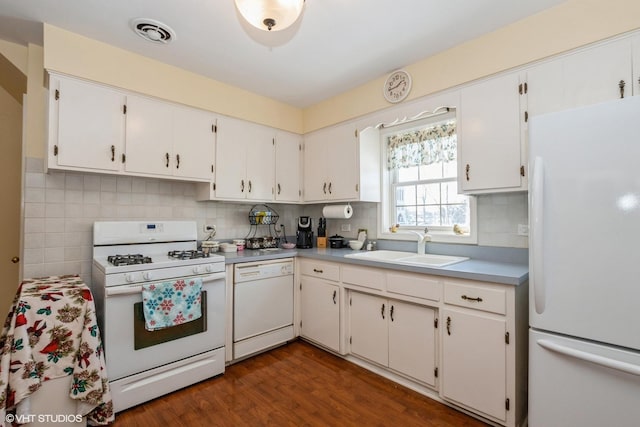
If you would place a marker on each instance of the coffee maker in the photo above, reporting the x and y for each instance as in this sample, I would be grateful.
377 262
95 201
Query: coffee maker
304 235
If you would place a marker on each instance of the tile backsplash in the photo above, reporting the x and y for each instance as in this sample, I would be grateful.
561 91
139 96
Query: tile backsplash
498 219
61 207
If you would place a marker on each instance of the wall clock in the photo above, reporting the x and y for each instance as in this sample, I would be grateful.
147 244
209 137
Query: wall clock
397 86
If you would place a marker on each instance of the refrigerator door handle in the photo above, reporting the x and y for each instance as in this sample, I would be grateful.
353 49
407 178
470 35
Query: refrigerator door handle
537 221
606 362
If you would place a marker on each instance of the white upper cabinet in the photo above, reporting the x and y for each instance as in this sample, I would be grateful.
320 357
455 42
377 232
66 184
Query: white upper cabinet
245 161
194 140
588 76
287 168
490 136
149 136
86 126
342 164
101 129
168 140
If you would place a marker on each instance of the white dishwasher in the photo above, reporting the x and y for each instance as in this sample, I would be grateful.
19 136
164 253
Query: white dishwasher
262 305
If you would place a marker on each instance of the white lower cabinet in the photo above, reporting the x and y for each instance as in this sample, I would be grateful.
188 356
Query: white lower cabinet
484 349
320 308
462 341
320 312
474 361
369 328
394 334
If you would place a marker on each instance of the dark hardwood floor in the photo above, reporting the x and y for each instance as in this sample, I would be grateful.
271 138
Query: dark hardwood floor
294 385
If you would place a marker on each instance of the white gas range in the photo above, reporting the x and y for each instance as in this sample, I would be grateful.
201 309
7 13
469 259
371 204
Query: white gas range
144 364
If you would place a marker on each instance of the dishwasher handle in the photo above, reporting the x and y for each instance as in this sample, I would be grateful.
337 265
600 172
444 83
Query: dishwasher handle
244 272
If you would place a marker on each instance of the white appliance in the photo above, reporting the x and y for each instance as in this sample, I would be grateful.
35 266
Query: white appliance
142 364
262 306
584 201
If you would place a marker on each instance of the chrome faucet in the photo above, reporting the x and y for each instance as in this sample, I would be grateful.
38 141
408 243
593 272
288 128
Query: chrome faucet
423 238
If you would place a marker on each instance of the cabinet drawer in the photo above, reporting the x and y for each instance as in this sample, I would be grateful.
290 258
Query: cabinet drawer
415 285
486 298
367 277
320 269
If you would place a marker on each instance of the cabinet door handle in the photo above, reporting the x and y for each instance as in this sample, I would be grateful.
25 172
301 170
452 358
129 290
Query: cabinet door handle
448 325
113 153
382 311
242 186
315 270
15 260
329 188
278 189
391 313
466 298
324 188
335 294
249 186
466 170
177 161
621 86
166 157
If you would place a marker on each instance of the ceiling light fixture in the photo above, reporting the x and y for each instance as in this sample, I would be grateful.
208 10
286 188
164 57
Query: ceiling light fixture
270 15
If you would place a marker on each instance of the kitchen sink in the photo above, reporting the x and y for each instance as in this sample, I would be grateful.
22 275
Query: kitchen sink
408 258
381 255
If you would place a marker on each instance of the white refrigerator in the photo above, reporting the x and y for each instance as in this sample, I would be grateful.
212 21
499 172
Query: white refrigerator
584 266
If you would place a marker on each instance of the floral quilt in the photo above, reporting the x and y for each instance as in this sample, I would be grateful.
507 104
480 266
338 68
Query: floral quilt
51 332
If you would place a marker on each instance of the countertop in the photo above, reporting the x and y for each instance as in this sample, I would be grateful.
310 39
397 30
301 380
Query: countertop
474 269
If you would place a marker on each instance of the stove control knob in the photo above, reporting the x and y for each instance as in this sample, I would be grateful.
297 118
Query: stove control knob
129 277
197 270
209 268
147 275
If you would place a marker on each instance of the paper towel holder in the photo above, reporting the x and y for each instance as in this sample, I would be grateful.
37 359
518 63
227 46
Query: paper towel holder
338 211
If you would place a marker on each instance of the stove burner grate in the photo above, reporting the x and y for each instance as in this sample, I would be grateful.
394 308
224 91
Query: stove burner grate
187 254
129 259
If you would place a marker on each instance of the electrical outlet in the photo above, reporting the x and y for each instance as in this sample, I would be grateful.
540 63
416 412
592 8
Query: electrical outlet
345 227
523 230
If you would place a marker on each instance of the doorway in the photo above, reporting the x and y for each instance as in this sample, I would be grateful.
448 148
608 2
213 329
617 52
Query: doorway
11 175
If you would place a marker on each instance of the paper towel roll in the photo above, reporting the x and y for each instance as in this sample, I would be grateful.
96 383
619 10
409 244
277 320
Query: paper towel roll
337 211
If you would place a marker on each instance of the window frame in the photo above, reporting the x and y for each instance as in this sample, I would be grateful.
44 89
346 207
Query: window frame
386 208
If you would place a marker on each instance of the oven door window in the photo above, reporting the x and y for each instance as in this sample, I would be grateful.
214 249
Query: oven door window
144 338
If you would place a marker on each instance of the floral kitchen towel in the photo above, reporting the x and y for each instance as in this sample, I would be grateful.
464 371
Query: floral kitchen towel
171 303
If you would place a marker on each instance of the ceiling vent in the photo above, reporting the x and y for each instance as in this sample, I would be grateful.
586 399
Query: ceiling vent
153 31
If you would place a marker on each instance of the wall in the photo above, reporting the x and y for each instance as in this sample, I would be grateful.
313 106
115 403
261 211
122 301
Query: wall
73 54
498 219
61 207
562 28
569 25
